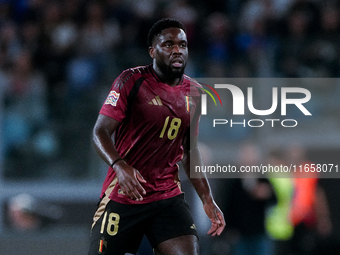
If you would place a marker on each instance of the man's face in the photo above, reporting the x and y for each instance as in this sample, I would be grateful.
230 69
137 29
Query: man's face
170 51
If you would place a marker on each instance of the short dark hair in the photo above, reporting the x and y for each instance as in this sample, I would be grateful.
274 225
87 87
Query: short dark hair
160 25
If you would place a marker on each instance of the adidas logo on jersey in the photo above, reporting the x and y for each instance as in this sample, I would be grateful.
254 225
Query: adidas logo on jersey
156 101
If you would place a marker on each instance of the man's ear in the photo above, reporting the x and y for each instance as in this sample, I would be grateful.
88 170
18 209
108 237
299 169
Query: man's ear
152 52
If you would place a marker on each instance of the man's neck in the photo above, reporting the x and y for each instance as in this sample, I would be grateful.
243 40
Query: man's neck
164 78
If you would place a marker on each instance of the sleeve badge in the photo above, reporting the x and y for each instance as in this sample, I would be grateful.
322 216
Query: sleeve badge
112 98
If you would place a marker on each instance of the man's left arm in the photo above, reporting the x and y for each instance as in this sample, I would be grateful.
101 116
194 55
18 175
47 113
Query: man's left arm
201 185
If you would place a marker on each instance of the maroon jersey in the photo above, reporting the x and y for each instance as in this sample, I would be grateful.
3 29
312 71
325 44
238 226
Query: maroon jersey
154 118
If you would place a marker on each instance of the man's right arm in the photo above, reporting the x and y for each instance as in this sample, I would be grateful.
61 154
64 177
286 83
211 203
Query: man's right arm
129 178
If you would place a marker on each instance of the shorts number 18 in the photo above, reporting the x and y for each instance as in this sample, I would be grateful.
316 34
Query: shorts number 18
112 224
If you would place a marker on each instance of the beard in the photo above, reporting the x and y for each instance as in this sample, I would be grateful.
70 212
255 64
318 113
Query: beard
170 72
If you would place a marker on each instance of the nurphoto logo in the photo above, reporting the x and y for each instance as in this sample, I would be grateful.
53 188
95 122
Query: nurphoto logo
295 96
204 98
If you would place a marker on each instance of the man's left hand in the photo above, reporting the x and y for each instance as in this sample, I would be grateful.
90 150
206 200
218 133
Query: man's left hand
216 216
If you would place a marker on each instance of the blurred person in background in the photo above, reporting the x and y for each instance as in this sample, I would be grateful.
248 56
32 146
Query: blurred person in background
309 212
254 41
27 213
278 224
249 199
182 10
324 50
26 110
98 36
21 213
296 31
57 46
10 45
219 44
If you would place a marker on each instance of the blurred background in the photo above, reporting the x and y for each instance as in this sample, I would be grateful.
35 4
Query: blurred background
58 60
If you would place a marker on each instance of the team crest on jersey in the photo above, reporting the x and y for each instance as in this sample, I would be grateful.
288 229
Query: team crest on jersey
112 98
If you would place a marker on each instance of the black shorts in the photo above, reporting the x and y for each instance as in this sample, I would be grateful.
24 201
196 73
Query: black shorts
121 227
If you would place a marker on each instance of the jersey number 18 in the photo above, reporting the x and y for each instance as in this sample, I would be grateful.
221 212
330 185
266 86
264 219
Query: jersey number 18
173 129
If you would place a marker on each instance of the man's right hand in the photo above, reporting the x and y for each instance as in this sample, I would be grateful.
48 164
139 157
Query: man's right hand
130 180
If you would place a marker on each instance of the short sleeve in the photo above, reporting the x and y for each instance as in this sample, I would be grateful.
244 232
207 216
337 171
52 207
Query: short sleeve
115 104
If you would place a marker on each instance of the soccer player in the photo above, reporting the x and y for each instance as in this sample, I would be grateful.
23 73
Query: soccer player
154 113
